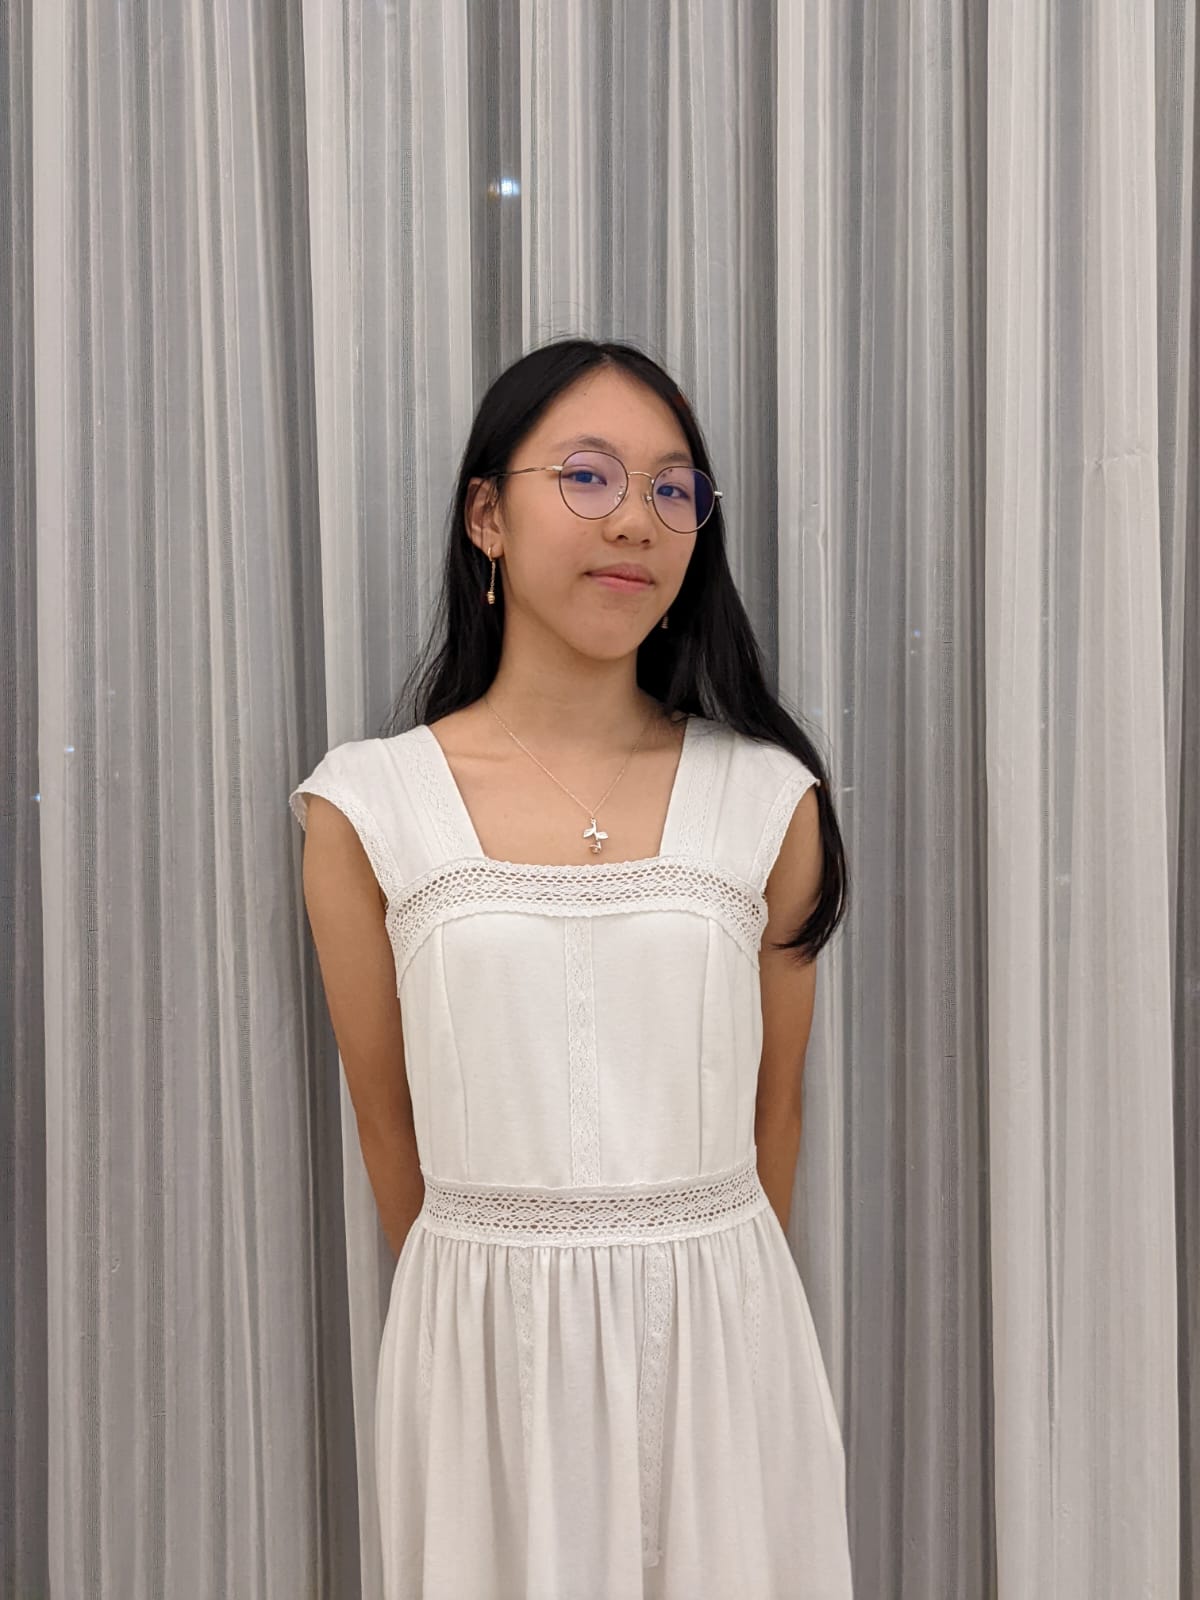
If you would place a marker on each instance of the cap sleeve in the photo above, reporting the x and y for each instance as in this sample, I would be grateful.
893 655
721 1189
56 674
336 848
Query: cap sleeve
795 782
337 777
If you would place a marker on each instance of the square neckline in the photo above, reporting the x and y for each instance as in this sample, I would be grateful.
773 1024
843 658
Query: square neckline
455 794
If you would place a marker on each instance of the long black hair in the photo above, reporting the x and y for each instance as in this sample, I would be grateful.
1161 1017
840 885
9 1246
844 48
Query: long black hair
707 662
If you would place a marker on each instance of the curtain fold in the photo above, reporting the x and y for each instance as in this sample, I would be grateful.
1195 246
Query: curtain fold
199 1399
880 265
24 1379
1080 1037
1177 267
929 275
392 329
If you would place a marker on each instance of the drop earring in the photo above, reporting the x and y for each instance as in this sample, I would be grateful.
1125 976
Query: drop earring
663 623
491 594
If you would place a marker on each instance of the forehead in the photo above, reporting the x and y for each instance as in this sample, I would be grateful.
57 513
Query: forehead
612 411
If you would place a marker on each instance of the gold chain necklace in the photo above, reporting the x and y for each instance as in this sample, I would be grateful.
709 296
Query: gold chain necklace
592 831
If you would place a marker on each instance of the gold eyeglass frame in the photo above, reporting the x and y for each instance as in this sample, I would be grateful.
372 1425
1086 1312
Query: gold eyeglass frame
636 472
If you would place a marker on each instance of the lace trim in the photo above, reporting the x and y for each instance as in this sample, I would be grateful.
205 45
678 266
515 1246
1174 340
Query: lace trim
698 793
659 1285
520 1264
371 835
776 825
660 883
658 1299
611 1214
584 1071
445 809
657 1213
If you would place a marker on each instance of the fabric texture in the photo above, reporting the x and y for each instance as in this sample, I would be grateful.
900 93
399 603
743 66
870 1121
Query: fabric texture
599 1376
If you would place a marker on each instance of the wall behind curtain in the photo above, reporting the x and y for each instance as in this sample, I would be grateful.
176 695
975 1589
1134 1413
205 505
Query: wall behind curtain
929 275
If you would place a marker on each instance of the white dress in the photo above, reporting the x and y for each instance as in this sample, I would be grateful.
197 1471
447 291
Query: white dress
599 1377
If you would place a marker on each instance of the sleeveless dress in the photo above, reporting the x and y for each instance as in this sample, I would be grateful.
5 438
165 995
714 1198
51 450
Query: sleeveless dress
599 1377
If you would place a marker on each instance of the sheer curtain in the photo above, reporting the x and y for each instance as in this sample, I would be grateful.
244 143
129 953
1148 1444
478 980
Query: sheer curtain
929 275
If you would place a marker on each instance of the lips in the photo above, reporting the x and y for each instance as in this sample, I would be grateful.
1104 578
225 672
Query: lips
629 586
629 572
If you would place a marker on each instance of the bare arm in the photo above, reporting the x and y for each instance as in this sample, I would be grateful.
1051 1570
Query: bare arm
788 995
346 913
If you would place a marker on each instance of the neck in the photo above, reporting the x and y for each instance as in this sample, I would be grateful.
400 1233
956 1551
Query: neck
600 707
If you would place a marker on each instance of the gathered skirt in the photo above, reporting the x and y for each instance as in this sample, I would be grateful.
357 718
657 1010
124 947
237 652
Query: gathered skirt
613 1393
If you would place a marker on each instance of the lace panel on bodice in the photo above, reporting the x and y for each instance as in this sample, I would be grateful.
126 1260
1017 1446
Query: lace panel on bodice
660 883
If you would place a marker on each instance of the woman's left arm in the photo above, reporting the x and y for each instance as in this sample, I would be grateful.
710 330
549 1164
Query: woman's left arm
788 989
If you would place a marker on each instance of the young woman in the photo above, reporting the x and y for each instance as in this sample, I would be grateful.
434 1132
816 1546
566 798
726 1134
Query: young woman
567 921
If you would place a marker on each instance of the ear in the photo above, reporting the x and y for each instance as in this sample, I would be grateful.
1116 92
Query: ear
485 525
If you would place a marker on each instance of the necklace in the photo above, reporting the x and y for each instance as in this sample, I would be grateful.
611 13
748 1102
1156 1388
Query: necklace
592 831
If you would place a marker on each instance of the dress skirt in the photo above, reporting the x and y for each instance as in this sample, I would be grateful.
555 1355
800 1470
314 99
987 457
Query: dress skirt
606 1393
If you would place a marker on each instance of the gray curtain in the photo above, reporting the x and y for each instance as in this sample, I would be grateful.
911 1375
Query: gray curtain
929 274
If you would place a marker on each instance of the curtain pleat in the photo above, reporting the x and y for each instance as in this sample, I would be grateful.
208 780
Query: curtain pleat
200 1426
388 147
881 249
1080 1039
929 275
1177 269
24 1379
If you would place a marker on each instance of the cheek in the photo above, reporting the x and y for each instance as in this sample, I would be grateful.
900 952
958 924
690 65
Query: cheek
681 561
547 534
546 565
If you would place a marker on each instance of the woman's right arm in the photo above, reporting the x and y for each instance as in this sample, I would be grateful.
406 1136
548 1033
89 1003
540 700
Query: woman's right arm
346 914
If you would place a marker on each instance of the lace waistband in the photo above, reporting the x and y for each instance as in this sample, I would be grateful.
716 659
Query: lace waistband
596 1215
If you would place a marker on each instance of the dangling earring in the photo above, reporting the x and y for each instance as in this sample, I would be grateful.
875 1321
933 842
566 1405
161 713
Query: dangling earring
491 594
663 623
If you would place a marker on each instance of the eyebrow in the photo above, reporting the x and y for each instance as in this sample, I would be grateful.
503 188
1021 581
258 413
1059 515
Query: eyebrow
594 442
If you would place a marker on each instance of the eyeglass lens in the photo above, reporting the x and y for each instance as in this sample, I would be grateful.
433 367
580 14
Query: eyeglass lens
593 484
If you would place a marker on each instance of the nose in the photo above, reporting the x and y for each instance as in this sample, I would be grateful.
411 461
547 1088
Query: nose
634 495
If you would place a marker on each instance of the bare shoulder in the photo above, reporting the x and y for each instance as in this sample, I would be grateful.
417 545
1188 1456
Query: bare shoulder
459 732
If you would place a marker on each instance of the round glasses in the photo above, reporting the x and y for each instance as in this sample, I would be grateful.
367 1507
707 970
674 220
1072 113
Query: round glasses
593 484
